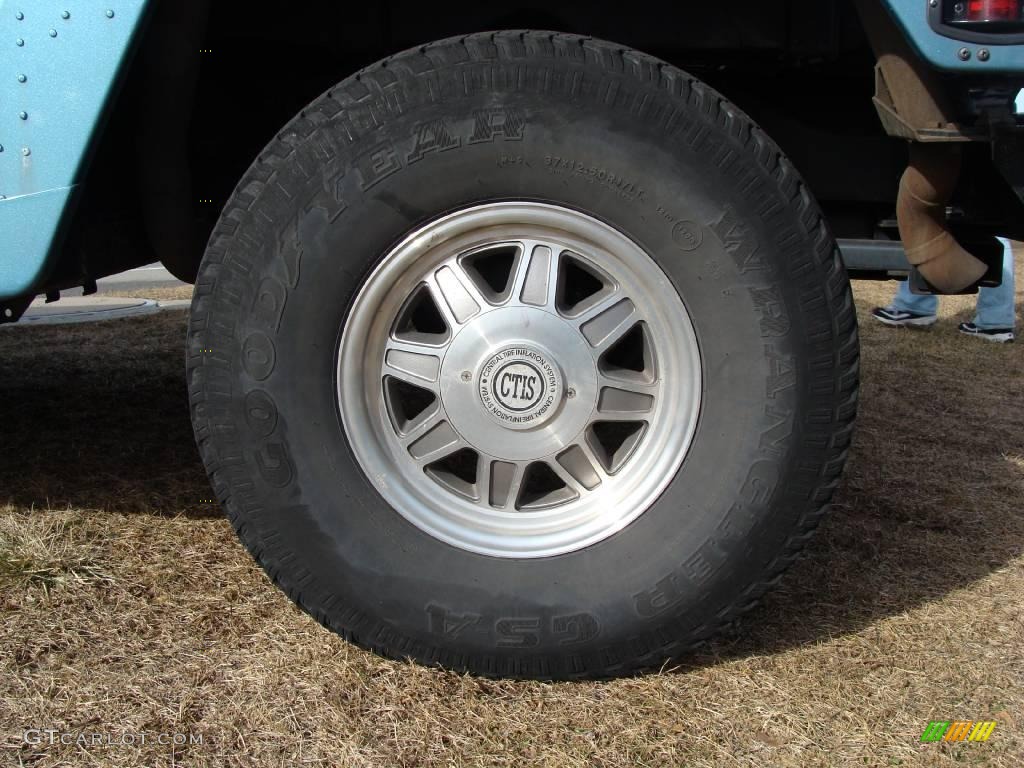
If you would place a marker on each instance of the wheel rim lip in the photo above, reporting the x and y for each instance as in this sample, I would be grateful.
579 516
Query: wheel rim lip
500 532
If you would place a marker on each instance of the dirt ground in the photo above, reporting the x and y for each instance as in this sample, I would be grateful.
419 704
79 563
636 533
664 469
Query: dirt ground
128 608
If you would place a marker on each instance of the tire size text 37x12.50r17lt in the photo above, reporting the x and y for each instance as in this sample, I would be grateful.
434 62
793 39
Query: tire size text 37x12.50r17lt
531 356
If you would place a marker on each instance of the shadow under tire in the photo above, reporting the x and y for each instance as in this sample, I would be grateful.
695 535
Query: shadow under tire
523 354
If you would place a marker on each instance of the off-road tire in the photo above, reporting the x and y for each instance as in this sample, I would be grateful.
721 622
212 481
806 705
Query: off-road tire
594 127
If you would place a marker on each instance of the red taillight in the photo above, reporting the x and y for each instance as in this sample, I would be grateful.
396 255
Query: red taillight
991 10
994 16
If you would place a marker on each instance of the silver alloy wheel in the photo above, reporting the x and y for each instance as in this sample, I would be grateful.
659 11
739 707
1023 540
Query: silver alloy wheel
519 379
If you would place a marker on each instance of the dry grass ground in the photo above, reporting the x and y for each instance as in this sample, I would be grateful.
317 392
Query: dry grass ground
127 605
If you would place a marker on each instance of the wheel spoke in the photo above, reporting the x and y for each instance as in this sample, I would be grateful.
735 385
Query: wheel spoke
582 288
424 423
414 364
490 273
592 458
628 381
538 492
536 285
505 478
607 322
455 295
435 443
620 403
576 467
483 479
416 347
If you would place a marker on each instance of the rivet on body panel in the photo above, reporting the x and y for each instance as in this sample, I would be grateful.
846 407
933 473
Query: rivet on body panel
53 33
19 42
19 15
110 14
65 14
22 78
23 115
26 151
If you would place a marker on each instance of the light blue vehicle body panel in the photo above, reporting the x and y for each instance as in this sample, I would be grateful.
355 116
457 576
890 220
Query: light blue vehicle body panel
61 61
943 52
59 64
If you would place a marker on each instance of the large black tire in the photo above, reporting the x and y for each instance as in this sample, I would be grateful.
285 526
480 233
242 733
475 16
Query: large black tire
598 128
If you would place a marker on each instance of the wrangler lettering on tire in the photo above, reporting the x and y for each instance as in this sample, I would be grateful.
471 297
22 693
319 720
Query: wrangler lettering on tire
534 358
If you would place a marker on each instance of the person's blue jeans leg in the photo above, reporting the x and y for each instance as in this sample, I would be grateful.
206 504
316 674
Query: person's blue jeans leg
909 302
995 305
